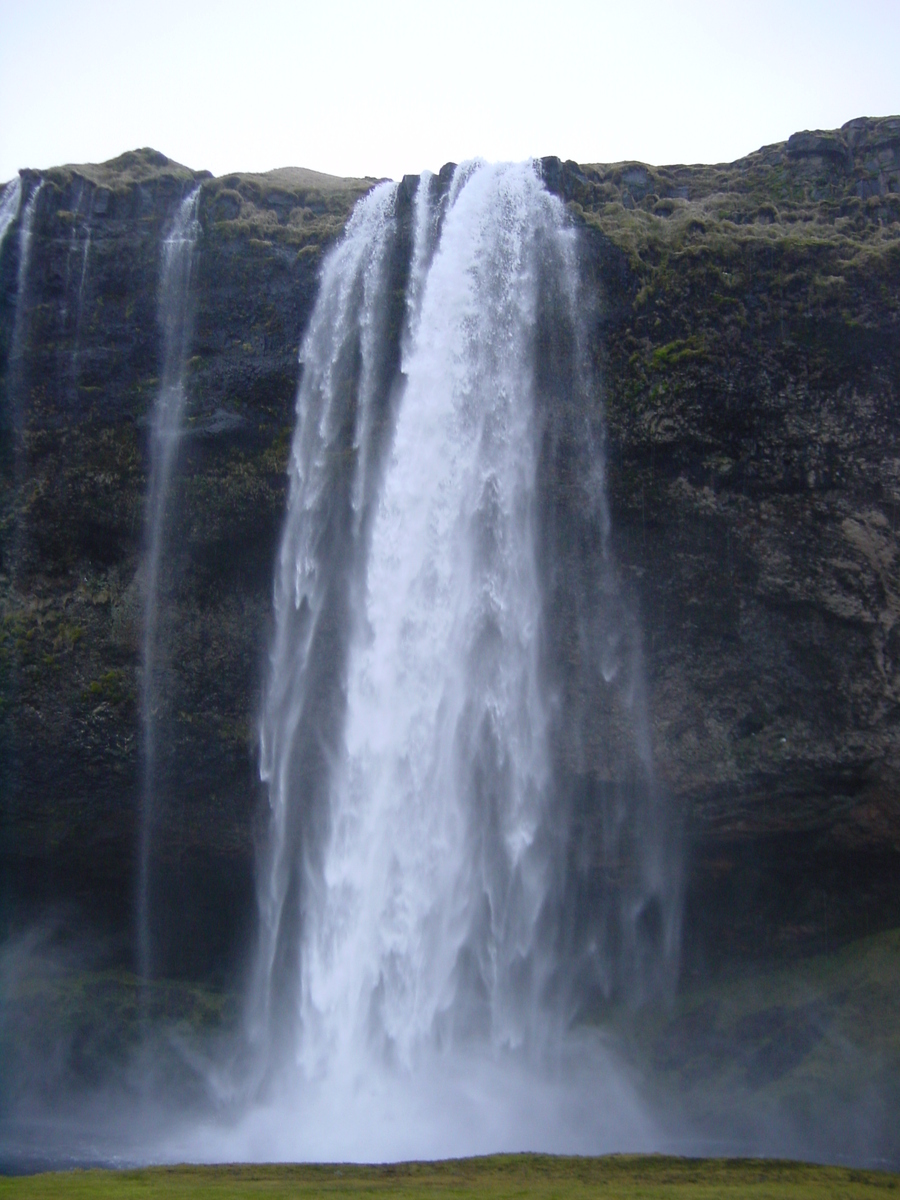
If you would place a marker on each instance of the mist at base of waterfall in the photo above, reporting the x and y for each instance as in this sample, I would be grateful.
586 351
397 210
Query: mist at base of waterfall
101 1088
419 885
80 1090
444 1107
592 1103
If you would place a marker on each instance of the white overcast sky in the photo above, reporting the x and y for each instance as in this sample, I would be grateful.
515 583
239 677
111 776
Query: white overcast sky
387 87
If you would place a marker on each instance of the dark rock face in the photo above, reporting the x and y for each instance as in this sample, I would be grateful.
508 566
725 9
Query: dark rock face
750 344
748 338
73 490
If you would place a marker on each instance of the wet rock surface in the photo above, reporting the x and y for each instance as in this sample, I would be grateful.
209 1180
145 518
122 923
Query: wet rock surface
748 339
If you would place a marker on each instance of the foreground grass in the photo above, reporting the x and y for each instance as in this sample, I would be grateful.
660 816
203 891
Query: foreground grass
498 1176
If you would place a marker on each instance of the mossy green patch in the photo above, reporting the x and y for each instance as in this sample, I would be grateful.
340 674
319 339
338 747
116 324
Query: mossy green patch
134 166
291 206
95 1018
110 687
827 1025
678 351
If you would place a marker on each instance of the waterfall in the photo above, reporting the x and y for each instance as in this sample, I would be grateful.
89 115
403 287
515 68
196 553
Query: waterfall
432 884
427 214
79 249
341 406
81 232
18 389
79 306
418 885
85 254
26 233
9 206
167 428
16 379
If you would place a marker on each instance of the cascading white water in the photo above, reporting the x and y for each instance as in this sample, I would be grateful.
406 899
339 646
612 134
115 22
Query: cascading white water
426 224
17 379
167 429
330 463
433 886
9 206
26 233
411 898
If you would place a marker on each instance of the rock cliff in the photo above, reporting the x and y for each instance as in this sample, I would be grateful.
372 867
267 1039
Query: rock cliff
747 333
751 351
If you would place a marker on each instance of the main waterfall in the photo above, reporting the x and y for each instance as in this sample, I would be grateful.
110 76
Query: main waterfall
418 891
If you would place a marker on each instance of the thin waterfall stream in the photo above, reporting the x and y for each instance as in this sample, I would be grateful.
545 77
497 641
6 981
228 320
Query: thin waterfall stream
17 378
26 233
166 434
10 201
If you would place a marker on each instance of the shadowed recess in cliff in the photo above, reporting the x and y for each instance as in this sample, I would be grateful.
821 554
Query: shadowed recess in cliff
420 888
167 429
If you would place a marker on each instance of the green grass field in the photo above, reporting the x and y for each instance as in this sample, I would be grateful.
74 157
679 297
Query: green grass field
517 1175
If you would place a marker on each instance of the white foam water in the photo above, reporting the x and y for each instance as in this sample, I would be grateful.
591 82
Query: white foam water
449 1106
330 477
424 927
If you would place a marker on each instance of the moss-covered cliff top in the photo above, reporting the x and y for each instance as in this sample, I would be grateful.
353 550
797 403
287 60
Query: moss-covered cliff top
294 204
302 179
838 187
860 145
146 165
305 204
134 166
